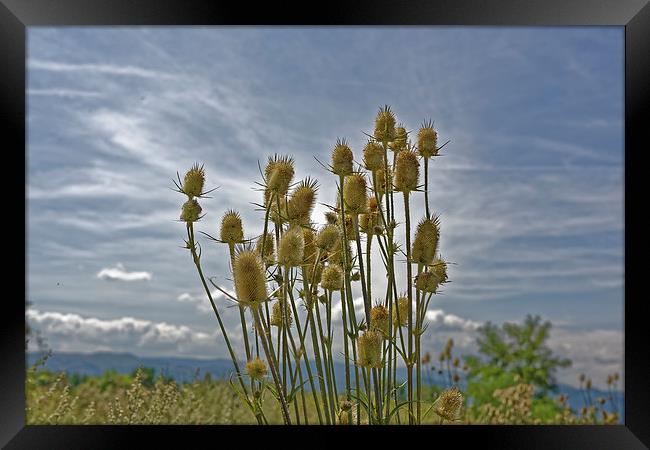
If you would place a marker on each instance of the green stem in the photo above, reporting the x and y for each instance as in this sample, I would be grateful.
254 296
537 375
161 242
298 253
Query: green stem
409 283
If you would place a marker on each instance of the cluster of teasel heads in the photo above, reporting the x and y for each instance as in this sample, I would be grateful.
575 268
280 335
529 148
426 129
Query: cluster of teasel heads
296 266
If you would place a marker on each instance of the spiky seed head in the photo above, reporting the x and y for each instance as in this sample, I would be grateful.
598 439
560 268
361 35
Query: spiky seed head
373 156
335 255
379 319
372 204
268 256
301 203
350 229
354 193
278 311
427 141
346 415
331 217
425 244
369 349
279 173
403 309
310 255
385 125
370 223
231 228
380 181
407 171
399 143
194 180
292 248
328 237
342 158
256 369
448 405
250 281
191 211
332 278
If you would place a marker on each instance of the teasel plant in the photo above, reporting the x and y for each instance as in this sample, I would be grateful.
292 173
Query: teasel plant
290 280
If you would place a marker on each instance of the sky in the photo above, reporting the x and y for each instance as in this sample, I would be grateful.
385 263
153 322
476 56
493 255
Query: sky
529 190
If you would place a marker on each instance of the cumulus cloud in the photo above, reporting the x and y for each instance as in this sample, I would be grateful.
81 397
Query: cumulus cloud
120 273
202 302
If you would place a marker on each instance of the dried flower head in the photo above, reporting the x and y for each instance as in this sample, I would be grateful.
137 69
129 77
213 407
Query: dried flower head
354 193
231 228
342 158
385 125
381 182
373 156
439 267
328 237
331 217
191 211
427 140
427 282
250 281
407 171
370 223
278 173
425 244
379 319
369 349
194 181
401 136
402 311
278 312
301 203
346 415
268 257
332 278
256 369
292 248
310 255
448 405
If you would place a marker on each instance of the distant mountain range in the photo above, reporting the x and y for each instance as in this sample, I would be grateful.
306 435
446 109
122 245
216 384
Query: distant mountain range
184 370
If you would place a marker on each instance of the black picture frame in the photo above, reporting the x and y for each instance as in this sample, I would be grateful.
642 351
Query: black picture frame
633 15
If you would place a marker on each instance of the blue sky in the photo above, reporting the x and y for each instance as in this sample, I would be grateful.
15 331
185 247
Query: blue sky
530 190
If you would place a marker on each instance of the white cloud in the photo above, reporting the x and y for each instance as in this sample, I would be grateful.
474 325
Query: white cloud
71 93
108 69
119 272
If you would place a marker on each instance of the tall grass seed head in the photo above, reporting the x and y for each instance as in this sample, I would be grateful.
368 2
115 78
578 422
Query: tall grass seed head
332 278
449 404
268 256
407 171
194 181
328 237
354 193
427 141
402 308
373 156
369 349
256 369
342 158
191 211
425 244
291 250
231 230
379 319
385 125
250 280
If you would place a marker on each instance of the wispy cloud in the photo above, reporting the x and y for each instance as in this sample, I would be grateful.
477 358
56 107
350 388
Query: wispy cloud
120 273
108 69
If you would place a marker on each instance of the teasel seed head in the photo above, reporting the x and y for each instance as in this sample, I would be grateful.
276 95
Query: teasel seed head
332 278
369 349
380 181
310 255
301 203
335 255
426 282
379 319
194 181
373 156
231 231
268 257
292 248
191 211
427 140
370 223
346 415
407 171
342 158
328 237
385 125
277 314
399 143
354 193
439 267
256 369
425 244
402 306
331 217
250 280
279 173
449 404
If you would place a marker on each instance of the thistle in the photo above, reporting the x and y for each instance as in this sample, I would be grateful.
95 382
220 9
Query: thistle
250 282
278 174
191 211
342 158
425 244
385 125
407 171
332 278
194 181
256 369
427 140
292 248
354 193
231 230
369 349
